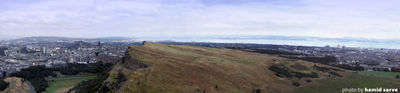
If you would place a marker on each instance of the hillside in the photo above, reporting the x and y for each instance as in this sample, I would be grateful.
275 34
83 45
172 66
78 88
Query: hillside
160 68
16 86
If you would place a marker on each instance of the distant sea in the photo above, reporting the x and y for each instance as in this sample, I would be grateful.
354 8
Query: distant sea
312 43
293 40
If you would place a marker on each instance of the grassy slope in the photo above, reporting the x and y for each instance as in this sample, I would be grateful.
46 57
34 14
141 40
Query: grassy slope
350 80
382 74
188 69
63 83
16 86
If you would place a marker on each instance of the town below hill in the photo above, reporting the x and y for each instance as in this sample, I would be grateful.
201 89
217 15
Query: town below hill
18 57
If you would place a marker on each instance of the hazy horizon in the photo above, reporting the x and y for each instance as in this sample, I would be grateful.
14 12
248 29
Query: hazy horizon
264 39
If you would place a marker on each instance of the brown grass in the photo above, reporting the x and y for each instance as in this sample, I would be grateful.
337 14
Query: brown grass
192 69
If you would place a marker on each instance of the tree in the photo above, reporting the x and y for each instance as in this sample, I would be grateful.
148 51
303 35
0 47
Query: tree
40 84
3 85
386 70
2 49
394 69
36 74
296 84
4 73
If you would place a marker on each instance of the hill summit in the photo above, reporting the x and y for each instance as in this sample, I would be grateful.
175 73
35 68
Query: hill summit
161 68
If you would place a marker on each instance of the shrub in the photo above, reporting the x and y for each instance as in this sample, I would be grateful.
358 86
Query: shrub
40 84
33 72
335 74
3 85
308 81
344 66
314 75
256 90
301 75
281 71
284 72
296 84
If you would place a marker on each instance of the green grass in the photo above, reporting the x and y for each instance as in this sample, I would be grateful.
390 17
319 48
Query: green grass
354 80
63 83
381 74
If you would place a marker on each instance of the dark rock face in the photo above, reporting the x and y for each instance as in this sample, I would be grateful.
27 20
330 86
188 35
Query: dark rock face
132 63
256 90
144 42
120 81
129 62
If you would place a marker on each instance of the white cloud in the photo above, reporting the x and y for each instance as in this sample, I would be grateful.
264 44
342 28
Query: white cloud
95 18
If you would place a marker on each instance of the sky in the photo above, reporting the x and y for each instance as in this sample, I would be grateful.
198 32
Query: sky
374 19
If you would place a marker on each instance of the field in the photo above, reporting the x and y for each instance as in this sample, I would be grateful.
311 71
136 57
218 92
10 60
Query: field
351 80
62 83
381 74
188 69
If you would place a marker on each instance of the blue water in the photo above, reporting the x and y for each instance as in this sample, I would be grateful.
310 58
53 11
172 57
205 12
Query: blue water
321 43
292 40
